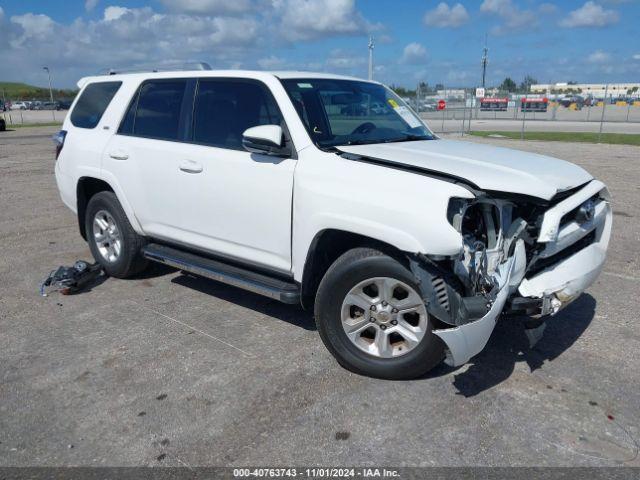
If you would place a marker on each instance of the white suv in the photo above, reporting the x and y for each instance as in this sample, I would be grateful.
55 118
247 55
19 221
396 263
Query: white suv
330 192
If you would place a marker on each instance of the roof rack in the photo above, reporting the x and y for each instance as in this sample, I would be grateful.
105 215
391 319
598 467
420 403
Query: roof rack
164 68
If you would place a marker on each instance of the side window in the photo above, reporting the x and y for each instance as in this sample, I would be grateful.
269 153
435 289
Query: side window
92 103
224 109
126 126
157 110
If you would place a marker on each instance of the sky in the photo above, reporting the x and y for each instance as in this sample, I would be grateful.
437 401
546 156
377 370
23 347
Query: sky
415 40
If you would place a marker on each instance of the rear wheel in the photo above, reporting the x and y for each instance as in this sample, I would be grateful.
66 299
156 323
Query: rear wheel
371 317
112 241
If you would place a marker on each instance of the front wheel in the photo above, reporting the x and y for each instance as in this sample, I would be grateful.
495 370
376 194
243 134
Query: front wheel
373 320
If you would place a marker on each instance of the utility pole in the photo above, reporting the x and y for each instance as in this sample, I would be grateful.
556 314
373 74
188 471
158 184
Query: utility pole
49 75
53 110
485 60
371 58
604 104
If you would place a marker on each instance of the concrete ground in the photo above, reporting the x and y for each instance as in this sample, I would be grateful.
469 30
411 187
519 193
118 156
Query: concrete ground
510 125
172 370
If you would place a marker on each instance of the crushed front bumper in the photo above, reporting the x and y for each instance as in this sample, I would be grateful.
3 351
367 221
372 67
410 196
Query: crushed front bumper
555 286
465 341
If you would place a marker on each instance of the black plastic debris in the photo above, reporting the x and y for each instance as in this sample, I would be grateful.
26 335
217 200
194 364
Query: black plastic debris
68 280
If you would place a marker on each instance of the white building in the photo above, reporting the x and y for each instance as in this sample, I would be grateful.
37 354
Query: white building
589 89
451 93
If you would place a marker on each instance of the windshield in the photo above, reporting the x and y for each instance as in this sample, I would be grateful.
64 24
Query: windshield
349 112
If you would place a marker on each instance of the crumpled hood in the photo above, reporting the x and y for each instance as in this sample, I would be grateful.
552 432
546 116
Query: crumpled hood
488 167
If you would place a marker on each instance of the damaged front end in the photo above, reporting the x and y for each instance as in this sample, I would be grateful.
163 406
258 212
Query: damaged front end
511 260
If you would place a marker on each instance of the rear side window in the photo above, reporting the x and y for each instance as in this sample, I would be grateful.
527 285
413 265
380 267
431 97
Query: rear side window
224 109
92 103
155 111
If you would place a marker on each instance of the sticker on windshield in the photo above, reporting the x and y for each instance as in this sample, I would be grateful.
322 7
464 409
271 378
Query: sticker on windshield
407 116
305 85
393 103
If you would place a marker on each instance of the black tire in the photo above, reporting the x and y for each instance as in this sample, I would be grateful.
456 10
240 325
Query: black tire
130 260
347 271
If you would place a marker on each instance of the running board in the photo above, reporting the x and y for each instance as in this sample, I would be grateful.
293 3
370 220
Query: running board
286 292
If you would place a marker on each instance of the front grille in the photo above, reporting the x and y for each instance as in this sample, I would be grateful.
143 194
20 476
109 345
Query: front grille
543 263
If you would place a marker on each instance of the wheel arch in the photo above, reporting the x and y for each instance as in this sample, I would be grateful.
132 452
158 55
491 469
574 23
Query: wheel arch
326 247
87 187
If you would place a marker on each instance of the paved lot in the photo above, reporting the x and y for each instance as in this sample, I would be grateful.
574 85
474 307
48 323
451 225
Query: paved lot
172 370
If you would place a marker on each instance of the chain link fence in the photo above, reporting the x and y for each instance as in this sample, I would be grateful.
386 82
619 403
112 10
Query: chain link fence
463 113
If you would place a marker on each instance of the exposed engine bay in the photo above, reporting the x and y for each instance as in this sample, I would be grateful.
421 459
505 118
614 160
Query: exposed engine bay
501 245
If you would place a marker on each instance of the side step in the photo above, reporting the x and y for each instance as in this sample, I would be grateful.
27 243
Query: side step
286 292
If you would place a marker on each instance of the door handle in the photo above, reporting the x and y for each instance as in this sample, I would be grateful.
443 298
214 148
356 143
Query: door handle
191 166
118 155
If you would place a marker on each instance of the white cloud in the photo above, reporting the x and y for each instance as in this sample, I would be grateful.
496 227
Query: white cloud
511 15
89 5
114 13
122 38
208 7
272 62
590 15
342 60
214 31
599 57
414 54
445 16
306 20
31 27
636 56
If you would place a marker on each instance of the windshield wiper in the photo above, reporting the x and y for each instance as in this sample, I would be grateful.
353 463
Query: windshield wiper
409 137
363 142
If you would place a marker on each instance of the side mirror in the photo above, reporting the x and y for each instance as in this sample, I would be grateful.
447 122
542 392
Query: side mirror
265 139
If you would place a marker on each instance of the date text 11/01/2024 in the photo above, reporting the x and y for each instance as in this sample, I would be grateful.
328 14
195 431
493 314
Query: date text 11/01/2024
369 472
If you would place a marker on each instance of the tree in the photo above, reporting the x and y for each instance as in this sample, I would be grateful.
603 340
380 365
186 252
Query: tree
508 85
572 82
439 86
525 86
403 92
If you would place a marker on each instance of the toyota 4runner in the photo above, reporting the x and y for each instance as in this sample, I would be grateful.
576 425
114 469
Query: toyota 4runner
332 193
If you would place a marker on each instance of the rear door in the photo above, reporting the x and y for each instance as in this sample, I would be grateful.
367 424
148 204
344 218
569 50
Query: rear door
144 154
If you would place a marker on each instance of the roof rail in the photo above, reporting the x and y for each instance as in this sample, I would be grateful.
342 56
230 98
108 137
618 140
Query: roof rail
164 68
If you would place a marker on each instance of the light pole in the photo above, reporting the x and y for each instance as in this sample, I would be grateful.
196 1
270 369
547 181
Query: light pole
485 60
371 58
53 111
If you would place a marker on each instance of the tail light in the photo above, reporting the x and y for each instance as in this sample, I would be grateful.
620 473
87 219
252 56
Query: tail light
58 140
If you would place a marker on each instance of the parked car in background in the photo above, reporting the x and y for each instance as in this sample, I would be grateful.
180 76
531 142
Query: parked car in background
49 106
378 108
64 104
354 110
19 106
577 99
